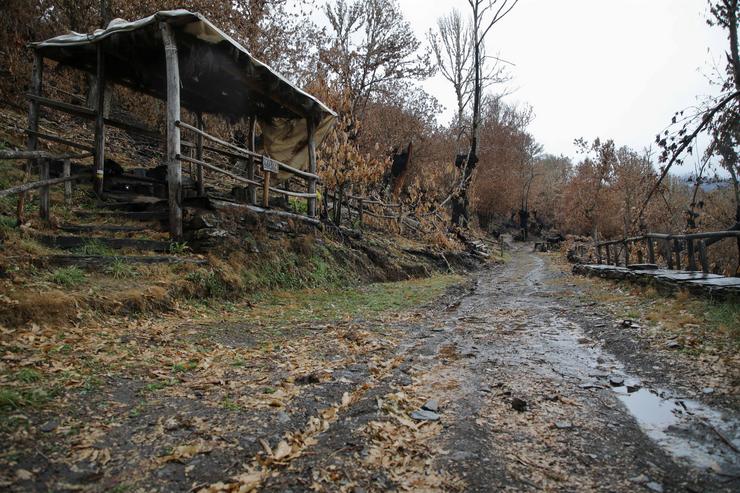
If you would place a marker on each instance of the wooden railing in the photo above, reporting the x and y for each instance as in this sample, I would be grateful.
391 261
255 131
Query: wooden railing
360 206
670 248
247 161
229 150
45 181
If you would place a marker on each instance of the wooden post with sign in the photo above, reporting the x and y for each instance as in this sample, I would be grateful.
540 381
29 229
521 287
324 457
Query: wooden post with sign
268 168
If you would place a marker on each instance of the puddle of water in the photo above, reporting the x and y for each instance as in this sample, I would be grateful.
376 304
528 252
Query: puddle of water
686 429
649 409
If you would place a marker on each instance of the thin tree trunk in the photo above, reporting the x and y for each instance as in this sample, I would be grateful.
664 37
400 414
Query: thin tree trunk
732 7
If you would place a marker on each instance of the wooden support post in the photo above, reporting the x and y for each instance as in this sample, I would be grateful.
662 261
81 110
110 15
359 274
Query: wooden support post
37 77
44 192
99 144
677 249
690 253
651 250
598 254
174 167
325 201
703 256
626 254
361 205
266 189
668 253
311 127
252 164
199 155
67 171
608 255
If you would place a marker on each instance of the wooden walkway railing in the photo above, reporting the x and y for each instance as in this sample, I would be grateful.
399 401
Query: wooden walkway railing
245 169
670 247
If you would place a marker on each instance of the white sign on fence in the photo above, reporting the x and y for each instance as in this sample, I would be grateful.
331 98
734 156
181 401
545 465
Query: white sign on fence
270 165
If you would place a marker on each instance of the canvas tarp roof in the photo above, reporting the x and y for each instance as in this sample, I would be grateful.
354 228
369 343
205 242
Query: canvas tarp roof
217 74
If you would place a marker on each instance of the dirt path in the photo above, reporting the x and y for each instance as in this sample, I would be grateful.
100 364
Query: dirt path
536 390
516 341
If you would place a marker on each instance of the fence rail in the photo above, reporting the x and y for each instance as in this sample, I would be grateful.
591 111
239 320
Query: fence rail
45 182
671 248
253 158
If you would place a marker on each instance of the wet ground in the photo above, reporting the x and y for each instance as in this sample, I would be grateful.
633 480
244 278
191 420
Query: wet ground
527 385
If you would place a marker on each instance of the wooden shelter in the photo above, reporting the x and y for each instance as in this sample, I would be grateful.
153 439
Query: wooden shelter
180 57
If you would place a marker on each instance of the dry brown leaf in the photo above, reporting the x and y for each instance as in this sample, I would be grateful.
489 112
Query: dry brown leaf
186 452
282 451
23 475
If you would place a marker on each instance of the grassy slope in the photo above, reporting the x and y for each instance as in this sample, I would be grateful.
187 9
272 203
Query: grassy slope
43 363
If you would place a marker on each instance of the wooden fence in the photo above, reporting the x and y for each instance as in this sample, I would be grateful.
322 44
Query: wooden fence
245 169
374 208
45 181
669 247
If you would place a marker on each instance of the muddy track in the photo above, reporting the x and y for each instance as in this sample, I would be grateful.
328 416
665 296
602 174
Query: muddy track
519 337
536 391
515 337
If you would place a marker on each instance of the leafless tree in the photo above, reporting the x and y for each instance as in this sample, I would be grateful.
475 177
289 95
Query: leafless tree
452 44
485 15
372 45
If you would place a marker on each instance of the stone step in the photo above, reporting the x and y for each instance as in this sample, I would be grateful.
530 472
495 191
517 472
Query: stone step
137 216
108 228
93 262
75 242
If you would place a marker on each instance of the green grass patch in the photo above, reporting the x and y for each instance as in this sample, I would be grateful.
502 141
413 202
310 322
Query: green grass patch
11 398
7 223
178 247
725 316
290 270
183 367
209 282
300 206
28 375
286 307
68 276
118 269
95 247
230 405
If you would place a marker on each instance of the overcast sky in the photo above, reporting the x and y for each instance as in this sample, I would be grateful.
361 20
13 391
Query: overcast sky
595 68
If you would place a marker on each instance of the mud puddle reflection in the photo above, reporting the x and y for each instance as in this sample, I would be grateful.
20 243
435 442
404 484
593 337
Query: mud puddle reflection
687 429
